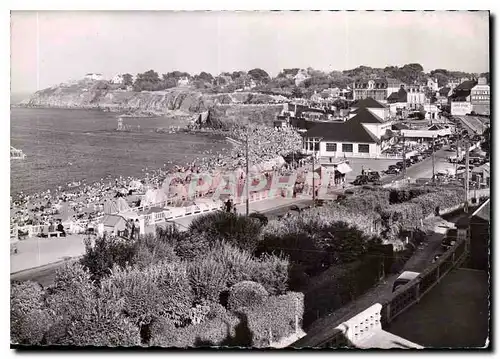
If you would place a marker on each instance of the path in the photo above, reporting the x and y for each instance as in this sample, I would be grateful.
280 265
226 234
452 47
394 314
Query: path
382 291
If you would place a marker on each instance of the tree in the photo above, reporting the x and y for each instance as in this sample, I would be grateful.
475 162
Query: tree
127 79
259 75
105 253
205 76
297 92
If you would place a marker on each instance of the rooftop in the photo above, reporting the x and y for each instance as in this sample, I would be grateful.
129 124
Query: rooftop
348 131
367 103
454 314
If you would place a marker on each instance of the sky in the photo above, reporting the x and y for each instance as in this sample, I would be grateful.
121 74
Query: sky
57 46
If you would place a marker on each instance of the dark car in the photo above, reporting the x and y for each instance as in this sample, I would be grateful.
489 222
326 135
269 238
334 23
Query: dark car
373 176
393 171
360 180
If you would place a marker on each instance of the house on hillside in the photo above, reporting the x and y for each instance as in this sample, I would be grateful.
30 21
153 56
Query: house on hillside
432 84
117 79
374 88
183 81
94 77
300 77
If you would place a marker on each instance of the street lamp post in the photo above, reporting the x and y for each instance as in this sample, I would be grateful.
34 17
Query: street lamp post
247 202
313 171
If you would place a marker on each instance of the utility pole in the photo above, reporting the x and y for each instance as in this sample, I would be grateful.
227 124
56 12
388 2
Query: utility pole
466 204
313 181
313 168
433 160
404 158
247 178
456 162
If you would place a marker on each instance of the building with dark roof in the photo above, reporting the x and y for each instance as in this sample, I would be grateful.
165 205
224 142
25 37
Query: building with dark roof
359 136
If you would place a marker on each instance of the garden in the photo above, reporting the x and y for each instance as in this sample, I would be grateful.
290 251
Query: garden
229 280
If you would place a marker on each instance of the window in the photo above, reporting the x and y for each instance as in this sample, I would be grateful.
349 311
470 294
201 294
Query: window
347 147
364 148
331 147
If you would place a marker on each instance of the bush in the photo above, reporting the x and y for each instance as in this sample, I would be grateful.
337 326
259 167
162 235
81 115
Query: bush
105 253
220 329
275 319
239 230
151 250
208 278
29 317
160 290
246 294
272 272
86 315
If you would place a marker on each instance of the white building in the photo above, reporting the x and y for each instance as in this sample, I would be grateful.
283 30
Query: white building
362 135
415 97
460 108
431 111
117 79
300 77
183 81
432 84
93 76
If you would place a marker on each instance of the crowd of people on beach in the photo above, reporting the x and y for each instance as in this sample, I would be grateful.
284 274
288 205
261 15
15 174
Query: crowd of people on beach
82 201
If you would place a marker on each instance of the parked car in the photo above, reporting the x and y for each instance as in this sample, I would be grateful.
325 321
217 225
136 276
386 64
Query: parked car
393 171
360 180
450 239
373 176
404 279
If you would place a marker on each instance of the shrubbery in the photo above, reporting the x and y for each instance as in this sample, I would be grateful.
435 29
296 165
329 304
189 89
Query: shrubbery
246 294
239 230
275 318
29 317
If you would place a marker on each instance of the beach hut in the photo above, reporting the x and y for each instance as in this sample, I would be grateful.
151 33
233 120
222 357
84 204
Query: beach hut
112 224
110 207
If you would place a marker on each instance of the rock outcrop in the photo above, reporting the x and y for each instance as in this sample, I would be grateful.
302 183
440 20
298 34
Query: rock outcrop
228 107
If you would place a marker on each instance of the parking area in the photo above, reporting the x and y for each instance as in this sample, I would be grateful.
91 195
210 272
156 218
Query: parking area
368 164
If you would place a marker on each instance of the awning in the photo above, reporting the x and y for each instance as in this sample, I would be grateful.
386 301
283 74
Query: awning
344 168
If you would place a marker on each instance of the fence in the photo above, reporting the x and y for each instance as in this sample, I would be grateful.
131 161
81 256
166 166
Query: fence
374 318
412 292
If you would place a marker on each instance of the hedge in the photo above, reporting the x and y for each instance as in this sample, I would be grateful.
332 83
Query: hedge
159 290
246 294
220 328
275 319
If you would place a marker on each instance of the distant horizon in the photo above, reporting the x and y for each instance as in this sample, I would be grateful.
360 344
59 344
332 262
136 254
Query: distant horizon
107 78
49 48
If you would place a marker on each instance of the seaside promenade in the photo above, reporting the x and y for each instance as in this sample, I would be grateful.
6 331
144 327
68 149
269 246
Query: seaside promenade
39 252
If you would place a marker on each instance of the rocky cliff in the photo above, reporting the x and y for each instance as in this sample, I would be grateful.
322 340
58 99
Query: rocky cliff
183 101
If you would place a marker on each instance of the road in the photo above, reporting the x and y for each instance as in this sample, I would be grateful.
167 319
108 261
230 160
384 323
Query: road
322 328
423 169
45 275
